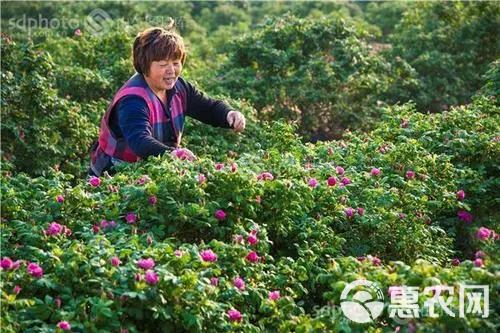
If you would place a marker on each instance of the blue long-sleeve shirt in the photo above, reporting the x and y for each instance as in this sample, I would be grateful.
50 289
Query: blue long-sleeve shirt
130 119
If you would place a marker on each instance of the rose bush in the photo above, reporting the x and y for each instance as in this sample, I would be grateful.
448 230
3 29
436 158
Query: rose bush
207 249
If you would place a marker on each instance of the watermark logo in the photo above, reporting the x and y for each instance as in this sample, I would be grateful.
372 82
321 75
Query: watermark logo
404 306
31 24
98 22
362 308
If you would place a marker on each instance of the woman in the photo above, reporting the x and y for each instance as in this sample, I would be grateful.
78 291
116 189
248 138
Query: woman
146 116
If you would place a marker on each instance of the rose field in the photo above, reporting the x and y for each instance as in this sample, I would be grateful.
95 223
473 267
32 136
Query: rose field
355 164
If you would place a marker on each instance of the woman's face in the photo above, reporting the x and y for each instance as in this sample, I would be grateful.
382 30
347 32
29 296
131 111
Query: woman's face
164 73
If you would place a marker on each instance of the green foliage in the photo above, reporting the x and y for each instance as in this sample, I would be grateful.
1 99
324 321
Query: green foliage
491 86
40 129
450 45
385 15
84 60
317 72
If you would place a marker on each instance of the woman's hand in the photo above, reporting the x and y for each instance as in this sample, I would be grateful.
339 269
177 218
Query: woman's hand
236 120
183 154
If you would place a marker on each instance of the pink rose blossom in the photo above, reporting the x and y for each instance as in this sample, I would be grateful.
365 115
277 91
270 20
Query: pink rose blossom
77 32
331 181
376 261
16 289
149 240
252 257
95 181
437 289
239 283
6 263
115 261
178 253
54 229
151 277
219 166
483 233
58 302
265 176
313 182
214 281
361 211
274 295
479 254
234 315
131 218
60 199
410 174
361 259
394 290
15 264
143 180
404 124
201 178
254 231
138 277
183 154
208 256
237 238
375 172
478 262
252 240
35 270
234 167
349 212
95 229
67 231
220 215
64 325
179 153
455 262
461 195
153 200
258 199
402 216
345 181
104 224
146 263
342 199
340 170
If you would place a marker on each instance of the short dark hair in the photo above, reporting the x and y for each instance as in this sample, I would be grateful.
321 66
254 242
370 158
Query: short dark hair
155 44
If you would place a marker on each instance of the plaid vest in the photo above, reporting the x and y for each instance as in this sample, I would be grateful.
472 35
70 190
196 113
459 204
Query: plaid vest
110 147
